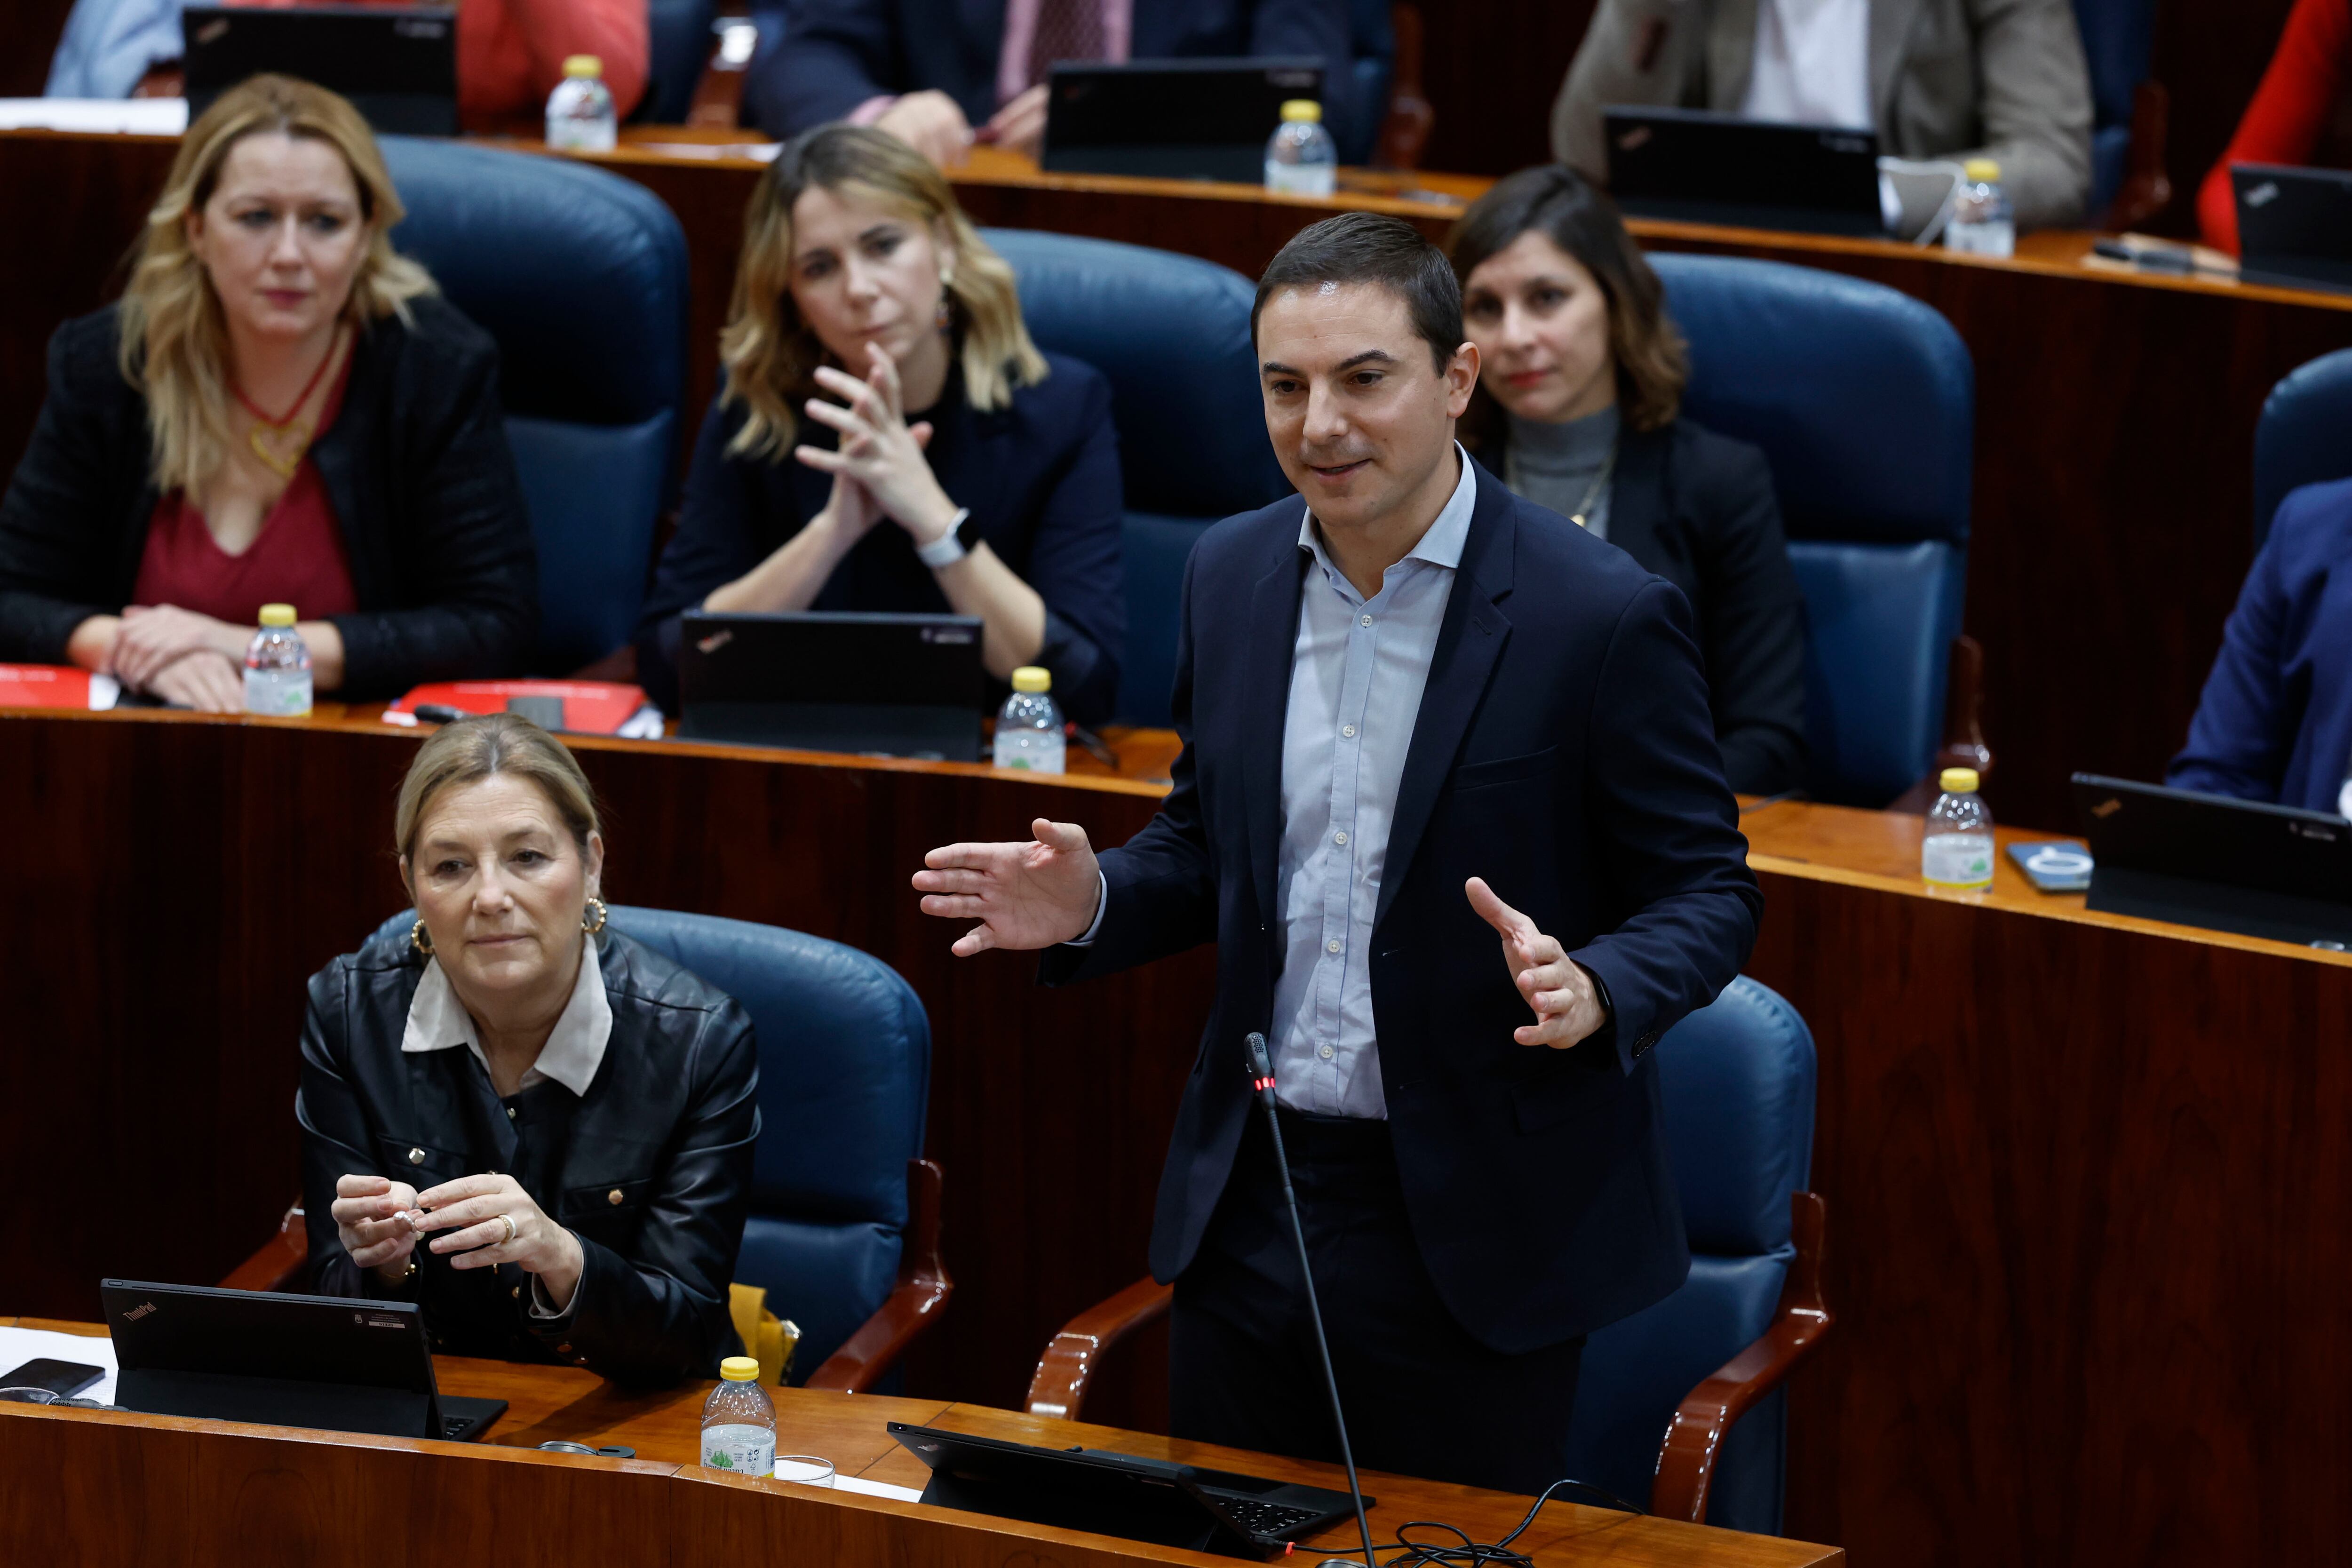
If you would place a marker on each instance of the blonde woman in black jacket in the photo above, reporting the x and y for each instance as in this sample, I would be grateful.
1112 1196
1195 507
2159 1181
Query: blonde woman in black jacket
279 409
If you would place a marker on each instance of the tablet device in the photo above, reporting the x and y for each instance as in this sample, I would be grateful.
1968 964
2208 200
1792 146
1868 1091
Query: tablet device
397 64
2295 226
1694 166
1111 1493
877 685
2213 861
1172 120
334 1361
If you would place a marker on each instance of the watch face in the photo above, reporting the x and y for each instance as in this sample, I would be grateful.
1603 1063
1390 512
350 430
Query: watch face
967 533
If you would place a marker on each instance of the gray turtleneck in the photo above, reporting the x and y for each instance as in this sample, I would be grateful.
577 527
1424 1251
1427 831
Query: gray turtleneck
1554 465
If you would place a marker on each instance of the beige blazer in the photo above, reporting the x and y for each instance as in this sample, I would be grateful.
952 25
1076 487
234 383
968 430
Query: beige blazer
1958 78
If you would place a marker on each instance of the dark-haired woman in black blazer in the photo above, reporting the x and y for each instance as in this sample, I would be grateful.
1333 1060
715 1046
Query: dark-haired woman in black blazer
1580 387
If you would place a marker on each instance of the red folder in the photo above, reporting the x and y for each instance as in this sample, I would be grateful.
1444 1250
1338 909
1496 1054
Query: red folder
55 686
589 707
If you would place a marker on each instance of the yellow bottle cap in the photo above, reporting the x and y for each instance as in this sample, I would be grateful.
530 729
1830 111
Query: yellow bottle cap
1959 780
739 1369
1033 678
582 65
277 615
1305 109
1981 171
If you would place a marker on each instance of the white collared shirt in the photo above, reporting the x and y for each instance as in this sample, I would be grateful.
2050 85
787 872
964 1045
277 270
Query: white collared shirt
438 1021
1357 669
1812 63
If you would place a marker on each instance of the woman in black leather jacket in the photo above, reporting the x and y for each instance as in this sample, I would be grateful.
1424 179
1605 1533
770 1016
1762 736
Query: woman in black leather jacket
534 1127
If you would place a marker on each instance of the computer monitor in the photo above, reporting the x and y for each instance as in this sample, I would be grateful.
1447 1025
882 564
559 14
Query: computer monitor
887 685
1172 120
2295 226
1692 167
397 64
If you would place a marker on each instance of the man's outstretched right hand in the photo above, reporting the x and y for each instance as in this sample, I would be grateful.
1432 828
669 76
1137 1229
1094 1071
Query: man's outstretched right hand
1025 896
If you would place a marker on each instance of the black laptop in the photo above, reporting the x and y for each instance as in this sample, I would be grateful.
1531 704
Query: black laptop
397 64
879 685
343 1364
1172 119
2209 860
1692 166
1110 1493
2295 226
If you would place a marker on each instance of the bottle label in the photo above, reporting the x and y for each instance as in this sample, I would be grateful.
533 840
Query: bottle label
746 1449
1996 239
1301 179
1956 860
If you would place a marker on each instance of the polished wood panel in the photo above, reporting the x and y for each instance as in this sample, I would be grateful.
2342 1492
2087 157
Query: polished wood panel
158 936
30 31
2089 1177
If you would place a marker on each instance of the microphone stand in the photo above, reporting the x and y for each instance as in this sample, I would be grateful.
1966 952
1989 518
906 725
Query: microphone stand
1262 1080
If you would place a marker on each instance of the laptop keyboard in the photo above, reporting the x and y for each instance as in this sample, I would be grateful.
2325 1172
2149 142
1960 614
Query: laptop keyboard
1276 1519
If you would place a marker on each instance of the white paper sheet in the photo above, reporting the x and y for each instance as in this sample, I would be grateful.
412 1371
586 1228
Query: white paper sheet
18 1346
871 1489
127 116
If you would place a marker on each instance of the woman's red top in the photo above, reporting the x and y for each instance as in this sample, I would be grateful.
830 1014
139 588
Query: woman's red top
296 558
2290 110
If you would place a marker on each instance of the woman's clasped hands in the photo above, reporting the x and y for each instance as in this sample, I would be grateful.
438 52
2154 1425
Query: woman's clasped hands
877 464
480 1221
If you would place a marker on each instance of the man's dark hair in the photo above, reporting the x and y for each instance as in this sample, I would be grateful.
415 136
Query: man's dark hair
1372 247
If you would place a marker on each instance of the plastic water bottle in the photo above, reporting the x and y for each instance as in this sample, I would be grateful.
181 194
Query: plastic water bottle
580 110
738 1420
1029 729
277 667
1957 851
1982 223
1300 157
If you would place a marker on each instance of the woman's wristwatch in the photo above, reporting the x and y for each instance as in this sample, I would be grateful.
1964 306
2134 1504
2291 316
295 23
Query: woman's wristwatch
951 546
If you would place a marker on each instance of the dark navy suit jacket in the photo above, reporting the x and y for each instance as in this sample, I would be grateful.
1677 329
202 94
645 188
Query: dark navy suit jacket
836 54
1564 752
2275 721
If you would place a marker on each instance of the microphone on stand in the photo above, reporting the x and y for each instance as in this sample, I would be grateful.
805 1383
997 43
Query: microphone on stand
1262 1080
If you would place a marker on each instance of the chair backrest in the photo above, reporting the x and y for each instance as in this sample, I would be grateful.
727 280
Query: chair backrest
2306 433
845 1080
1863 401
1171 334
1737 1077
677 45
581 278
2117 36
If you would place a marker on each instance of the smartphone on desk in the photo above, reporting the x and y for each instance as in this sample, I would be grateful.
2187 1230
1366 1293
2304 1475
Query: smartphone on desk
63 1378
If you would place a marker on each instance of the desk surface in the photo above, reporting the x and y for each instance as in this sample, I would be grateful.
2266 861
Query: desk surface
548 1403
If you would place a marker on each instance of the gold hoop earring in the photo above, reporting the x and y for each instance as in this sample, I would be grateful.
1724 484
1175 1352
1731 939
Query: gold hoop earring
420 939
602 915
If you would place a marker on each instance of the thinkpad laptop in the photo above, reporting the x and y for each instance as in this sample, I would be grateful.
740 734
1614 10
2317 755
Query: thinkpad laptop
2295 226
1110 1493
397 64
878 684
332 1362
1172 119
2208 860
1692 166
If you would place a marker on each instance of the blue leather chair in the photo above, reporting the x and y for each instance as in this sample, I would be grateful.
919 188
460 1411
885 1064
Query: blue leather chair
845 1223
1171 333
581 277
2116 39
2304 436
1863 401
1738 1080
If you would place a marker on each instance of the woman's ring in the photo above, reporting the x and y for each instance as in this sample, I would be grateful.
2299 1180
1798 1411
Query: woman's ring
510 1228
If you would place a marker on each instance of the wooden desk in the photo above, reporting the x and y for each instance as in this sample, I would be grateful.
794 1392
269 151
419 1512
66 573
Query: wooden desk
209 1490
2114 413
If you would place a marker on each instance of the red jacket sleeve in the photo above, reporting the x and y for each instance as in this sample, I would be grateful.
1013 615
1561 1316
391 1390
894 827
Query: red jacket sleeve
2282 125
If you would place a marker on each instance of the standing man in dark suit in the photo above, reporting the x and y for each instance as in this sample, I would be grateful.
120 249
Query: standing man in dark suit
1419 714
929 71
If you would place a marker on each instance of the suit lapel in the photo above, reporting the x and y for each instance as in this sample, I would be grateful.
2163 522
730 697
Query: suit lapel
1891 22
1731 53
1469 642
1271 639
1637 494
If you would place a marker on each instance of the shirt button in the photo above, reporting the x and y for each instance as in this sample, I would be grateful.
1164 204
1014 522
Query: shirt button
416 1156
511 1113
1325 1053
613 1197
1332 946
1338 838
1349 731
1365 621
516 1292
